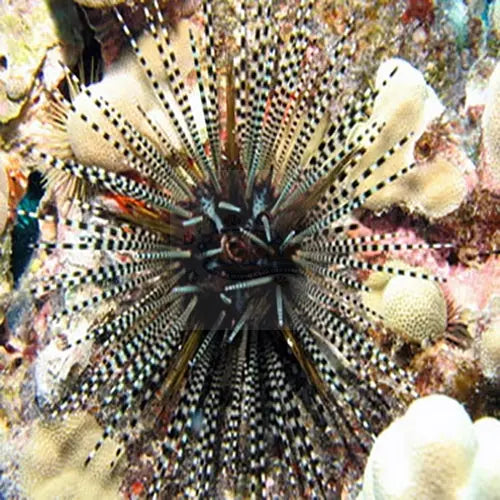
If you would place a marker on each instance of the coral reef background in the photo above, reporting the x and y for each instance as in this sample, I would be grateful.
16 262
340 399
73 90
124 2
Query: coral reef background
452 196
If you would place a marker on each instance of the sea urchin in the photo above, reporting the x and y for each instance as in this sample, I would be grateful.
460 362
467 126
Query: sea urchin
236 353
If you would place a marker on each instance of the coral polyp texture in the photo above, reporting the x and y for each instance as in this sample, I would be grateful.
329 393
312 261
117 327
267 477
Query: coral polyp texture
413 308
202 266
53 464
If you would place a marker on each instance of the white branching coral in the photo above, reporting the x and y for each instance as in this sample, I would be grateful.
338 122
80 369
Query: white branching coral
435 452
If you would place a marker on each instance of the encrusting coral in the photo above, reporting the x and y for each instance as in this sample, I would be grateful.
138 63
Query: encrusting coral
435 189
490 343
126 88
491 126
4 198
53 461
406 104
435 452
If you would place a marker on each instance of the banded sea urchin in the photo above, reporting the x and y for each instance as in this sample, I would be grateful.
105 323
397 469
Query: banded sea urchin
236 335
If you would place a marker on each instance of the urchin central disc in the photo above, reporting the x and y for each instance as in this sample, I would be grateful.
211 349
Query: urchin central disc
238 260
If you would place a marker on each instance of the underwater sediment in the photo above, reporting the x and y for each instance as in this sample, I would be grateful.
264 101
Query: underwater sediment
266 229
